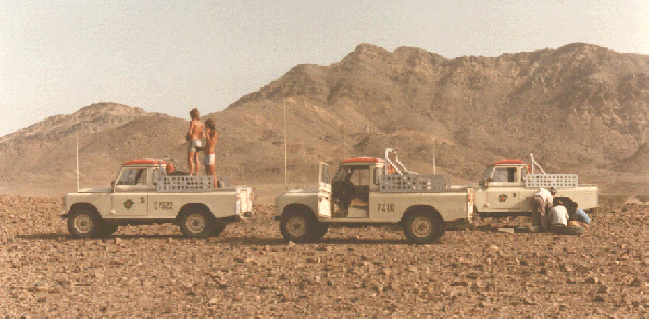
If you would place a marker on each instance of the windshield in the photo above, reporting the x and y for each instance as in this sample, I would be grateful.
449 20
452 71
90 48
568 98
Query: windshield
132 176
343 174
487 173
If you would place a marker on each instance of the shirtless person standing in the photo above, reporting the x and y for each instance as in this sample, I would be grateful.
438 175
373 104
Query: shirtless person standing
194 135
210 157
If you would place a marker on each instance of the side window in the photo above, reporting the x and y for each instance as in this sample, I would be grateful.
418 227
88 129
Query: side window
511 174
500 175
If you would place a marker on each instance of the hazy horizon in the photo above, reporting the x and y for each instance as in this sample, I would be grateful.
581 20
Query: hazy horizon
169 57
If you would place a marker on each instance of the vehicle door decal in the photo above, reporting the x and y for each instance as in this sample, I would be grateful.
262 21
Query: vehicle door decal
502 198
128 204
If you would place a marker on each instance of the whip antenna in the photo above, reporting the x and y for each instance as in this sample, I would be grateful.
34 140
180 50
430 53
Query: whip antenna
285 143
77 133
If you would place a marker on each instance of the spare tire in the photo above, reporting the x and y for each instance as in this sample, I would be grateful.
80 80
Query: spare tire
527 229
568 230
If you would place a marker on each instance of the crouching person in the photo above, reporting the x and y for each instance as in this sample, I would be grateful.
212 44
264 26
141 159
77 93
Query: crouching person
559 214
579 218
210 157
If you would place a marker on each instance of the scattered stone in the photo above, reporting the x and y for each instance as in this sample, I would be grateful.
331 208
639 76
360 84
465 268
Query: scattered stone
637 282
603 289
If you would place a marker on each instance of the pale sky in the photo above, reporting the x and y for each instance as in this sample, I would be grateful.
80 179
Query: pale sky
171 56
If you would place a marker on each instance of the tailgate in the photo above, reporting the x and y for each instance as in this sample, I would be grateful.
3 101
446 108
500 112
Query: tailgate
244 200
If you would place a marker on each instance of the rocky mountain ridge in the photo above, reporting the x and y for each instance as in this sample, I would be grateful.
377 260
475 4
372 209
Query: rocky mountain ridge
579 108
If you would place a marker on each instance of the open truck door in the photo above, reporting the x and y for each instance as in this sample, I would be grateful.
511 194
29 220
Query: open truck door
324 191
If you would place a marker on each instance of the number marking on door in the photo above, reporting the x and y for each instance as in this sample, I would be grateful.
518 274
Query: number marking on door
386 208
163 205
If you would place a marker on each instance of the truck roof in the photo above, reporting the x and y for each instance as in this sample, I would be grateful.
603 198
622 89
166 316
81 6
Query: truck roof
509 161
151 161
363 160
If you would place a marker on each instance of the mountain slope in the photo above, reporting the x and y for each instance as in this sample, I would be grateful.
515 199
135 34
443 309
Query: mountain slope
579 108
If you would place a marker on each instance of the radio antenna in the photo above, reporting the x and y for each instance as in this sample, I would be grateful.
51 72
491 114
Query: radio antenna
77 134
285 180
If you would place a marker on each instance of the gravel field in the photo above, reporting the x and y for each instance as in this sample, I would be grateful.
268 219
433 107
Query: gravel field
250 271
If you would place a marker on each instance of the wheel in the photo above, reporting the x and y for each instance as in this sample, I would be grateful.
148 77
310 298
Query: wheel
84 223
298 227
107 229
321 230
217 230
196 223
568 230
423 228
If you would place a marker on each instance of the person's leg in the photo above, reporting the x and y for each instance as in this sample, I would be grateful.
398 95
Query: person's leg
213 172
537 203
582 216
197 162
190 161
543 221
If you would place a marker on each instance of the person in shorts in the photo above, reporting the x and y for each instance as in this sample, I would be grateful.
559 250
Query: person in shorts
195 138
210 158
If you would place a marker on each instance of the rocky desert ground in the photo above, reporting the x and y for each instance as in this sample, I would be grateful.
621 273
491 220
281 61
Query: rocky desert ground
250 271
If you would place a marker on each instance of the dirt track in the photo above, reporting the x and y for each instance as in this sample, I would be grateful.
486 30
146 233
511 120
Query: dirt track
249 270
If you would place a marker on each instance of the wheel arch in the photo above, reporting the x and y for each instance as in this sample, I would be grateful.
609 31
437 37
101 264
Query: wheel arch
88 206
194 206
421 208
298 207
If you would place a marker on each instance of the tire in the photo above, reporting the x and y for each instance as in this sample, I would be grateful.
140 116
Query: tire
106 230
321 230
217 230
196 223
84 223
423 228
527 229
568 230
298 227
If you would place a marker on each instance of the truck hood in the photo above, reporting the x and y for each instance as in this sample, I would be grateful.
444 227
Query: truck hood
95 190
302 190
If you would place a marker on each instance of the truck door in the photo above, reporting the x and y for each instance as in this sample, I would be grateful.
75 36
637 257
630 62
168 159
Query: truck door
130 197
504 191
324 191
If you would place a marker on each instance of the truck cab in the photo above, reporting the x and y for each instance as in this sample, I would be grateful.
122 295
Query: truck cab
353 185
501 187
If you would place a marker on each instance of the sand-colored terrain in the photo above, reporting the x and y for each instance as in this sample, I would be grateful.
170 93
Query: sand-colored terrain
250 271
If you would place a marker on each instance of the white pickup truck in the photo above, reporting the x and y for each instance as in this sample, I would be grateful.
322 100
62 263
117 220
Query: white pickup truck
369 191
148 191
507 187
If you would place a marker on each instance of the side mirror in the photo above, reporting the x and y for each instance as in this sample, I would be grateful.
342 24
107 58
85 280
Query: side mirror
112 186
484 183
